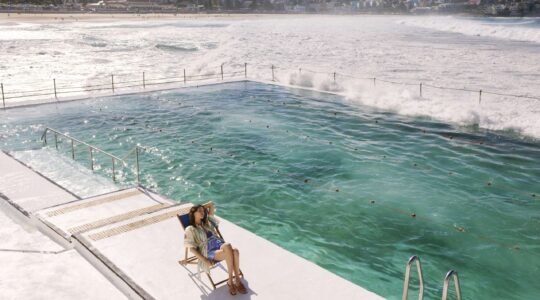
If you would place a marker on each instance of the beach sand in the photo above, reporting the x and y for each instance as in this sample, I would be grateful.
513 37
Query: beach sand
88 17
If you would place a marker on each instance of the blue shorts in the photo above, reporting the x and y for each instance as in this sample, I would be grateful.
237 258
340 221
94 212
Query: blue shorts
214 244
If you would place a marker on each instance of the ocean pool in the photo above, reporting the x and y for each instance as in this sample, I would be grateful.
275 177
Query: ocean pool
354 189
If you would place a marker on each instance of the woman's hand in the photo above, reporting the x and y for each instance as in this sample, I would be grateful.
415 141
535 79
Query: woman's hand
210 207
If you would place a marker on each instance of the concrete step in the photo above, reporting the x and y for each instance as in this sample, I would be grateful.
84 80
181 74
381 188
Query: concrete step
82 215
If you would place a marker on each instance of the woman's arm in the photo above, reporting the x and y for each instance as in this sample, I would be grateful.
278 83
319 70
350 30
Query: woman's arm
200 256
210 207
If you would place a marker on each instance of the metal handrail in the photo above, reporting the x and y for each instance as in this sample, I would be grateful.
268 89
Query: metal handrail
451 274
413 259
91 148
136 150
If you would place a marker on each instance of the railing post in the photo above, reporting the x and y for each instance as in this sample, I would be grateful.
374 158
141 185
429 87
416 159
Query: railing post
221 71
143 81
54 83
420 90
113 177
91 159
184 76
334 76
480 96
56 141
112 83
273 78
137 164
72 150
374 81
3 98
245 70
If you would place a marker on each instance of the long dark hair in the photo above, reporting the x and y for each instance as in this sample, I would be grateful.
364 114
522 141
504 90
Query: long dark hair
192 215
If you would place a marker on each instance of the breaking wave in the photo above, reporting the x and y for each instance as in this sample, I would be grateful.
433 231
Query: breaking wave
517 29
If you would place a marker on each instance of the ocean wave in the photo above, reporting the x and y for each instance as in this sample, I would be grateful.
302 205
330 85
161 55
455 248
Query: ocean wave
372 46
527 30
186 46
461 109
178 47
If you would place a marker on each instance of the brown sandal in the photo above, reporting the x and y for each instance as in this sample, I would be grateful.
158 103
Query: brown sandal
241 288
232 289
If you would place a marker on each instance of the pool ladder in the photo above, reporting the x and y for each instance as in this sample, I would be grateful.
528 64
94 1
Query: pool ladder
450 275
92 149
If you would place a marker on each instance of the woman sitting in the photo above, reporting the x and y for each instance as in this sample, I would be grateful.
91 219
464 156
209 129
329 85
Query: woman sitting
204 242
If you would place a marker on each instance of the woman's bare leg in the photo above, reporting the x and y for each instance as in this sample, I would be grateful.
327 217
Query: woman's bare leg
236 255
226 253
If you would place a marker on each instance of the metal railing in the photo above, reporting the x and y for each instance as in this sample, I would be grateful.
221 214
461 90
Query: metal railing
454 275
420 85
57 88
413 259
92 149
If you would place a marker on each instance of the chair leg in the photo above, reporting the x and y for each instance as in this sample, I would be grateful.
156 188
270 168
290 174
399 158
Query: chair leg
211 281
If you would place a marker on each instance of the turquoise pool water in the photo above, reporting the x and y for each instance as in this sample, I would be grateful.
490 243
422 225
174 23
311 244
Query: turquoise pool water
353 189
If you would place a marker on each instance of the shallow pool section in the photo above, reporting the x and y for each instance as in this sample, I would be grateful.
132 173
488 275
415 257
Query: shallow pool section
355 190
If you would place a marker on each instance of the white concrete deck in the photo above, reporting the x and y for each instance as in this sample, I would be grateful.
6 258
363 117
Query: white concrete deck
65 275
32 265
135 240
27 189
270 271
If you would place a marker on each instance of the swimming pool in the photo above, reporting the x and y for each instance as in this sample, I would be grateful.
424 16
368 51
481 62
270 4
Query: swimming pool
353 189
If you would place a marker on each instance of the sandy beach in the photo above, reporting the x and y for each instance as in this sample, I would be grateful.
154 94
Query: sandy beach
93 17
